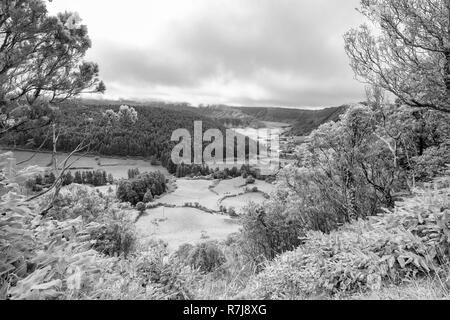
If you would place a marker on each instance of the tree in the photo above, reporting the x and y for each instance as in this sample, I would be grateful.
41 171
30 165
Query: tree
89 177
110 179
148 197
41 60
411 56
78 179
50 179
39 179
68 179
133 173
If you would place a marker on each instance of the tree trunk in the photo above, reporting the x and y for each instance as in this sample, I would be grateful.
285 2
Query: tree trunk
54 162
447 74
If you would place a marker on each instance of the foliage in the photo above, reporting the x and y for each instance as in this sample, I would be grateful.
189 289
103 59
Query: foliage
76 257
141 207
76 201
411 242
408 54
116 236
133 173
134 190
353 168
148 197
432 163
41 61
250 180
149 137
268 232
206 256
232 212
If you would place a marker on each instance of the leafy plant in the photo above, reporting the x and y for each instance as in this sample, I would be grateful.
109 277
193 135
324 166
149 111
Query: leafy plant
411 242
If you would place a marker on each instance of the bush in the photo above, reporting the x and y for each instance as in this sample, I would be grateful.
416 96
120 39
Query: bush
410 244
232 212
266 234
205 257
116 237
433 162
78 201
148 197
141 207
250 180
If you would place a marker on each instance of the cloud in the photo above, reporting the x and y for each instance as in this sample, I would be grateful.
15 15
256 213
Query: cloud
255 52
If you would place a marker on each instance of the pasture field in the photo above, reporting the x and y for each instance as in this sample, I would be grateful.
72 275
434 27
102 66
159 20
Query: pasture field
240 202
180 225
116 166
177 226
192 191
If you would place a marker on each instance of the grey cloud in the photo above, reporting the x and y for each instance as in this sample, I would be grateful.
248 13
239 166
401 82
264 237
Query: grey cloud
301 39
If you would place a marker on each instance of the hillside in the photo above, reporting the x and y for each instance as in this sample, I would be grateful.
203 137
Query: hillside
149 137
230 116
303 121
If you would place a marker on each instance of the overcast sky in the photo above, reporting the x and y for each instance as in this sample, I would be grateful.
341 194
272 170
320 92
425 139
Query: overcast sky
239 52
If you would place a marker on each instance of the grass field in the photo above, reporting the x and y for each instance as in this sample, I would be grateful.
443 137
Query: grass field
116 166
242 201
178 226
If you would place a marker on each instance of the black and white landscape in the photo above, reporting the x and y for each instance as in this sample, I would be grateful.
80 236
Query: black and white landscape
224 150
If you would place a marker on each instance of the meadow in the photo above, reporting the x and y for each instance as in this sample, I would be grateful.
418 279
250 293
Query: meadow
177 224
118 167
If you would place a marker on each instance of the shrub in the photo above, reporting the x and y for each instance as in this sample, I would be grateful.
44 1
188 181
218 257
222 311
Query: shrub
206 256
410 243
232 212
77 201
164 278
433 162
116 237
148 197
250 180
266 234
141 207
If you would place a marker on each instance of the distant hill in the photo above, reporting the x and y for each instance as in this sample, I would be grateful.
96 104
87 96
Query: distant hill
303 121
230 116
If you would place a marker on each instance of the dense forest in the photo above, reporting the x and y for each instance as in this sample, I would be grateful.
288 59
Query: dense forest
149 137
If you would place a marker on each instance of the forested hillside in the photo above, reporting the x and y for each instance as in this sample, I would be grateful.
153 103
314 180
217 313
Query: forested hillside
303 121
149 137
230 116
